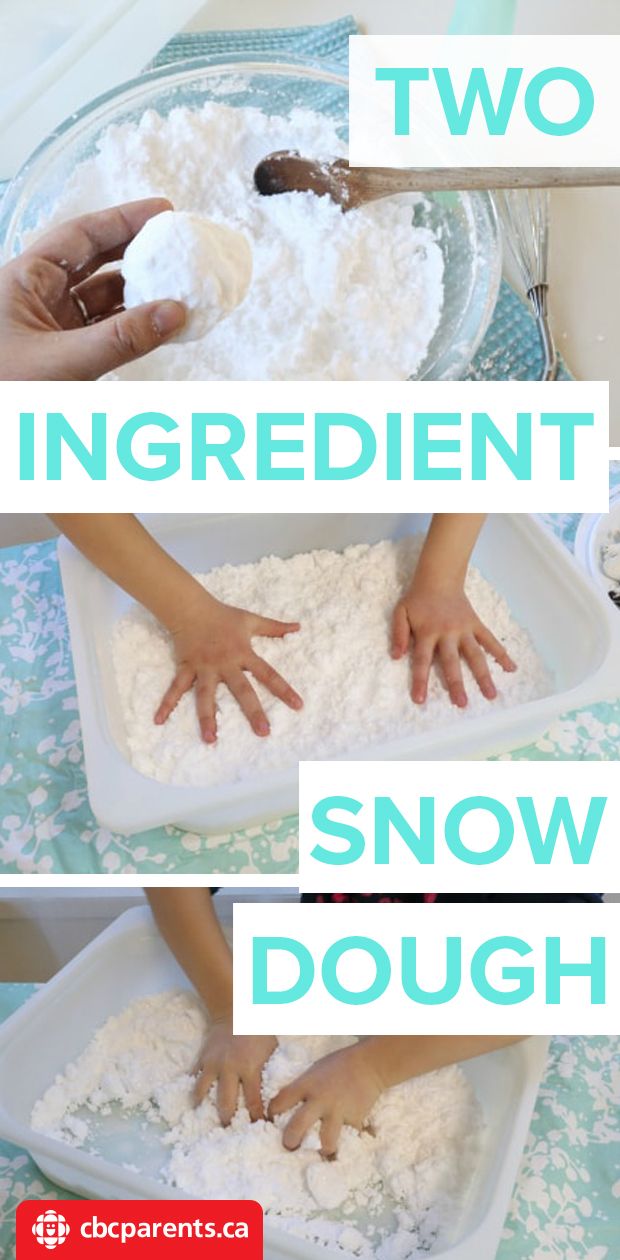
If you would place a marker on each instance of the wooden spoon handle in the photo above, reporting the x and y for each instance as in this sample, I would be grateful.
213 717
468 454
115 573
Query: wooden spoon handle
369 184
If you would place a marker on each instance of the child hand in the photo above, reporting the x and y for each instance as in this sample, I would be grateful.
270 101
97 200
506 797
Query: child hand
213 645
62 318
234 1063
443 625
340 1089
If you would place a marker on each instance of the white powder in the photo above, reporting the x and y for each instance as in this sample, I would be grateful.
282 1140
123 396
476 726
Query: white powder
334 296
610 559
394 1191
184 256
355 695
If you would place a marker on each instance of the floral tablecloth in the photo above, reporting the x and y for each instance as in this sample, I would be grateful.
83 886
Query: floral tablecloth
46 824
566 1204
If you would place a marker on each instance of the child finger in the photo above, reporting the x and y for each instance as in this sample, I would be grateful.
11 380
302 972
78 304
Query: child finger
495 649
400 632
206 686
331 1128
423 653
248 702
286 1098
227 1095
477 662
205 1079
275 683
299 1124
183 681
253 1097
452 672
273 629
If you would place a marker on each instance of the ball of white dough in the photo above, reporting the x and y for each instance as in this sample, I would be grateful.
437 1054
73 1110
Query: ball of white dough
188 258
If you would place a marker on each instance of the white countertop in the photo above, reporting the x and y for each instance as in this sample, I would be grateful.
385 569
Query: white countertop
585 262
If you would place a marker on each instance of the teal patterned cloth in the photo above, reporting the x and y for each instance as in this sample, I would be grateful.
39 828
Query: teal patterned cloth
327 42
566 1203
46 825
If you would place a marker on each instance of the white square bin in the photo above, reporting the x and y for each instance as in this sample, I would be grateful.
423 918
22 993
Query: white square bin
129 960
575 630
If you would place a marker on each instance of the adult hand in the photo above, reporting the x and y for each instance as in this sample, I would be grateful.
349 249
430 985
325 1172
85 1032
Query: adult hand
62 317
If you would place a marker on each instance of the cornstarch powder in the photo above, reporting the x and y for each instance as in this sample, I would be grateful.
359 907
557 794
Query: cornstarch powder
334 296
355 696
393 1191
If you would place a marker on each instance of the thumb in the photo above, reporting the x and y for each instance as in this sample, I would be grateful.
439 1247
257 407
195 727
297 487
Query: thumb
99 348
272 629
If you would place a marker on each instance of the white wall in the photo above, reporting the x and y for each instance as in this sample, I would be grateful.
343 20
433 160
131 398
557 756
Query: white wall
41 931
388 16
24 527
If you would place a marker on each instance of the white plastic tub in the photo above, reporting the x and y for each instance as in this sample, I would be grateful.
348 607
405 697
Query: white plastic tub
130 960
573 628
595 530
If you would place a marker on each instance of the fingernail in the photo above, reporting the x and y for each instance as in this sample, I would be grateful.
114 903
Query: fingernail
168 318
262 727
297 702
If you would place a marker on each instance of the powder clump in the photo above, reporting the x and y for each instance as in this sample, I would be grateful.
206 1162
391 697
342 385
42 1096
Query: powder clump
394 1191
184 256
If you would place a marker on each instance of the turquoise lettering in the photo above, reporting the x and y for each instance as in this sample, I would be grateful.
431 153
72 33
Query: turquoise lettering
356 997
402 77
523 975
222 451
171 453
323 821
261 993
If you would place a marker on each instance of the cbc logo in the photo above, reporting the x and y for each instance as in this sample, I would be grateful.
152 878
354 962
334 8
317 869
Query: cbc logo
50 1229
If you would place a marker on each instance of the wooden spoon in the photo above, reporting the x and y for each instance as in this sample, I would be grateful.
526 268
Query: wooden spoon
350 187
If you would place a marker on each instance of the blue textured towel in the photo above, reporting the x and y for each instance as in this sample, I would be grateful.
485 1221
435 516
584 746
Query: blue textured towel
511 349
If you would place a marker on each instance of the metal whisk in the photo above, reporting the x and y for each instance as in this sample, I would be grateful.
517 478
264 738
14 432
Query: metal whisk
524 216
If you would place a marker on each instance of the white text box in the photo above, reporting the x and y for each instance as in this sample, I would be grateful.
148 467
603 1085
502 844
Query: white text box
459 827
551 101
313 447
509 973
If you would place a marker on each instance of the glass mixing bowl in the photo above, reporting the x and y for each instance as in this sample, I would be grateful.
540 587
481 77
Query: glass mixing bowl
465 223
